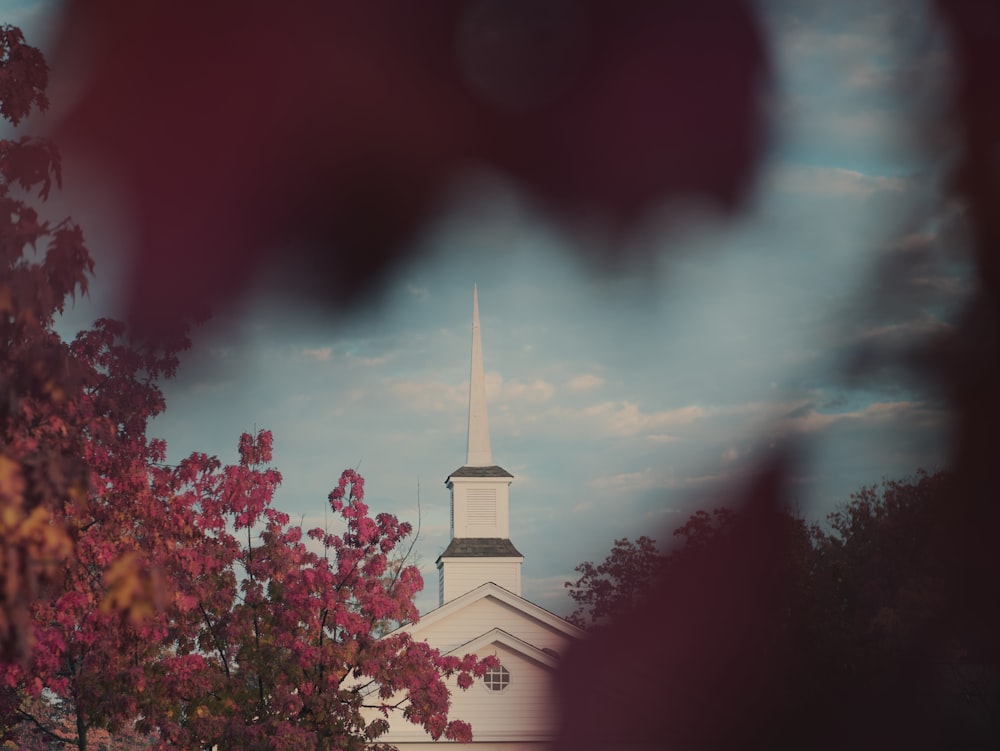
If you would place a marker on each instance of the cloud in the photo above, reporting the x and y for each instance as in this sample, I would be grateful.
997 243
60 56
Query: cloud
494 385
921 279
864 75
646 479
833 182
370 361
625 418
430 396
220 353
319 354
535 392
714 478
550 591
661 438
418 293
212 387
908 332
808 420
36 19
327 354
914 241
585 382
437 396
856 85
800 39
501 392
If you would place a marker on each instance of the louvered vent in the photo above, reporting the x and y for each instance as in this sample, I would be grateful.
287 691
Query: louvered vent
482 507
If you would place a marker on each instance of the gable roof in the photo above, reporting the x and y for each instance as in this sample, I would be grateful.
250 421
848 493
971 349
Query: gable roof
495 591
499 636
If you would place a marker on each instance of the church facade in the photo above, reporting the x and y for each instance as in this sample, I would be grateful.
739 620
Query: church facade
480 607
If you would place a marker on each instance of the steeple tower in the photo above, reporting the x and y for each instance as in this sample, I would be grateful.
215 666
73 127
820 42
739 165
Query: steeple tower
479 454
480 549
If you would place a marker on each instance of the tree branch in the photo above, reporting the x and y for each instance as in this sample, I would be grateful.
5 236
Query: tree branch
28 717
218 642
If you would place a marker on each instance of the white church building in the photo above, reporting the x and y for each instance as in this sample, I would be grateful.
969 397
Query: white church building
480 608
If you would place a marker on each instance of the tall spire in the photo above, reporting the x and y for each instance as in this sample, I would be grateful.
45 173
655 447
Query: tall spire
479 427
480 550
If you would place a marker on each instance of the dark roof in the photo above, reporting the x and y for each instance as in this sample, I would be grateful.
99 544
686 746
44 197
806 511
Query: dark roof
493 471
480 547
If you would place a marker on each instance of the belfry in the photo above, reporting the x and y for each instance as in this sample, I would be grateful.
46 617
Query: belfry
480 550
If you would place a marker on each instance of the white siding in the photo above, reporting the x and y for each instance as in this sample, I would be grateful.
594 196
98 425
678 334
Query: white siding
483 616
526 640
524 711
480 507
461 575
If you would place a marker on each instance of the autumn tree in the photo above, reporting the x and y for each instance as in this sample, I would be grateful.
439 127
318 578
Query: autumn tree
74 456
60 718
195 614
96 625
97 630
175 596
277 640
41 445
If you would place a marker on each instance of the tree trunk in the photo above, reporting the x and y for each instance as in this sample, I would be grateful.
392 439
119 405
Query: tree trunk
81 732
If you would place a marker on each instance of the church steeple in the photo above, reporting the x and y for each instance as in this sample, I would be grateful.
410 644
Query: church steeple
479 454
480 550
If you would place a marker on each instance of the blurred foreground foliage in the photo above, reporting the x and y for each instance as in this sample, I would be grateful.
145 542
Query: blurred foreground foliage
863 614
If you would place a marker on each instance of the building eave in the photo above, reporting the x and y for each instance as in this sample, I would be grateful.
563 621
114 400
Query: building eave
489 589
480 547
492 472
520 646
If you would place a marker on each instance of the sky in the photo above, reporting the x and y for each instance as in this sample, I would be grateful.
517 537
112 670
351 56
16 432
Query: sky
621 402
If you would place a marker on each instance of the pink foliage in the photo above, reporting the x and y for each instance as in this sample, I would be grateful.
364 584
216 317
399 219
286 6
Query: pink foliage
288 639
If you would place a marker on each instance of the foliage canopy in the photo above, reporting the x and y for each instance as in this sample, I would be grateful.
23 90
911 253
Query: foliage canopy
173 605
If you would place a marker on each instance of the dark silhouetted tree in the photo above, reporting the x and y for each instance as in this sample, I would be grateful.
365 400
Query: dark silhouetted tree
864 614
626 575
